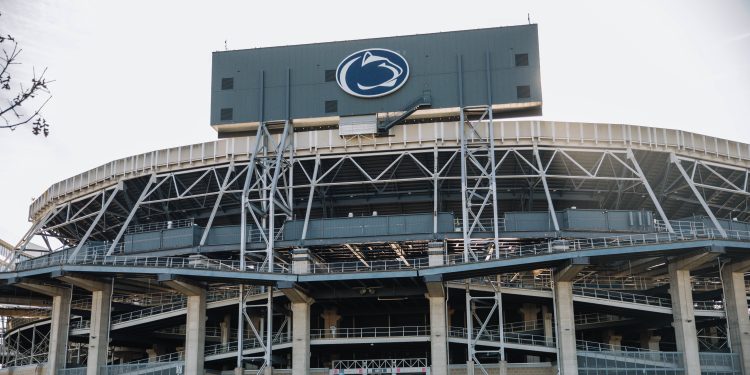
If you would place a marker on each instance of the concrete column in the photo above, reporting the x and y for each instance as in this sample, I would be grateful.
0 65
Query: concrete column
59 323
614 341
300 338
737 320
330 321
566 330
649 341
683 317
548 326
226 329
195 325
438 336
435 254
152 354
101 305
529 312
530 315
58 337
195 333
301 261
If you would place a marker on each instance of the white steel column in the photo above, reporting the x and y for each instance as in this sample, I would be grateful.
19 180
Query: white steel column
543 176
651 194
697 194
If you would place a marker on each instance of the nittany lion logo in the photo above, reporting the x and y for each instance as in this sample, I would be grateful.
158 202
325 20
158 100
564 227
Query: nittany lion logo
371 73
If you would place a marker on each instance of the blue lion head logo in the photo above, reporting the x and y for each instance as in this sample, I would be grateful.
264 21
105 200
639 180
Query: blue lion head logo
372 73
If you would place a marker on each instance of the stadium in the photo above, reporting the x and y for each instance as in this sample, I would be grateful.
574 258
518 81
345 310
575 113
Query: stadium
389 206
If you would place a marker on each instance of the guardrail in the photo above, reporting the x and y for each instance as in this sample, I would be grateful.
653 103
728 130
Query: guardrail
510 337
511 251
380 364
152 227
212 296
370 332
597 362
369 266
623 297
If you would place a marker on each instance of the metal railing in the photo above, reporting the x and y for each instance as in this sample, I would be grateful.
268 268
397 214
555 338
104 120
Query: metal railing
369 332
510 337
720 363
480 225
680 226
612 295
596 318
72 371
564 245
393 364
146 368
181 303
629 362
153 227
95 257
370 266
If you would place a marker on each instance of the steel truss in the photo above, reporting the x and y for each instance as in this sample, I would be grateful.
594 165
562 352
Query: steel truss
710 182
26 346
432 173
483 310
265 190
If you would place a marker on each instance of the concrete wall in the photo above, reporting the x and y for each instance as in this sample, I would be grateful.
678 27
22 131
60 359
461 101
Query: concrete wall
25 370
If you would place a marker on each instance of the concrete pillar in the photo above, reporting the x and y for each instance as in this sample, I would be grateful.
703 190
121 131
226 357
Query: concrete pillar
58 337
549 335
737 320
300 338
530 315
331 320
195 325
226 329
438 336
59 323
566 330
195 333
101 306
649 341
301 261
435 254
152 354
614 340
683 317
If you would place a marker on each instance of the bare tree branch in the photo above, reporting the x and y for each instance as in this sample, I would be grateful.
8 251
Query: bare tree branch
13 110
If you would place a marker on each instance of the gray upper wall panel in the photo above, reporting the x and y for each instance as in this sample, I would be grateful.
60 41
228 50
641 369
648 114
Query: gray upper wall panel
432 60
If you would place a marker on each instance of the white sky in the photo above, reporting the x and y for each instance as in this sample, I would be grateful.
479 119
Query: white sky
134 76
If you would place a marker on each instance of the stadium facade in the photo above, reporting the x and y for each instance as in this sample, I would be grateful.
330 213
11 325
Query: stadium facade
382 206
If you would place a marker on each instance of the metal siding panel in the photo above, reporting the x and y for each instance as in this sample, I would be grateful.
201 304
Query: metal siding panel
431 57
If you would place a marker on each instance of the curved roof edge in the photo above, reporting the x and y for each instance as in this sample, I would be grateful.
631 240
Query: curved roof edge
508 133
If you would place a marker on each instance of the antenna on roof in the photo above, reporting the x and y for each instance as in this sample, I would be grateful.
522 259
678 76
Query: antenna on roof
225 45
528 16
